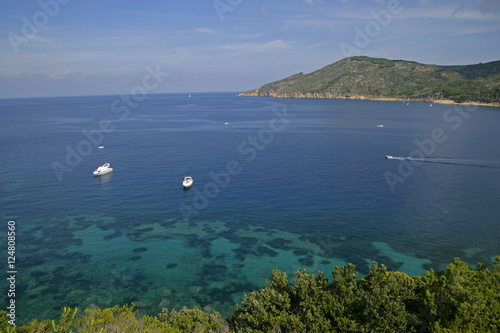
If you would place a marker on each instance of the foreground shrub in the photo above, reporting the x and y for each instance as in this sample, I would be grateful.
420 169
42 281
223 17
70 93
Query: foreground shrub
117 319
194 320
459 299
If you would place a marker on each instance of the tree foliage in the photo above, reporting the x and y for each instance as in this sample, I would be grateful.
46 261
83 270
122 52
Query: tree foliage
193 320
459 299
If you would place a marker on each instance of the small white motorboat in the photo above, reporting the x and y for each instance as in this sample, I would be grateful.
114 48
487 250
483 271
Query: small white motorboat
390 157
103 169
188 181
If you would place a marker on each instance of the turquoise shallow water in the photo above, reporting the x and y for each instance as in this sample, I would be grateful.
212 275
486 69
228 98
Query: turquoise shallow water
283 184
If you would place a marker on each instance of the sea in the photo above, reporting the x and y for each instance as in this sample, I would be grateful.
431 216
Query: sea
278 184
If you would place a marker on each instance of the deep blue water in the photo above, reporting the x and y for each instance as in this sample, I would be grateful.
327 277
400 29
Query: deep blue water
278 183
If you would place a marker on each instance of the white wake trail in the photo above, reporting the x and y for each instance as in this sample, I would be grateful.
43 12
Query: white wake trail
450 160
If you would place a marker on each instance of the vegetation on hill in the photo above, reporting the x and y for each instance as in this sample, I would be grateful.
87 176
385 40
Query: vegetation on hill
375 78
459 299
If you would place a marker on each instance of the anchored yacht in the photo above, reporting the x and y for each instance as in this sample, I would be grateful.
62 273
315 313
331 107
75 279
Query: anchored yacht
103 169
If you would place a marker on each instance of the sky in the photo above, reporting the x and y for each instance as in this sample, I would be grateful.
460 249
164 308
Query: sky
107 47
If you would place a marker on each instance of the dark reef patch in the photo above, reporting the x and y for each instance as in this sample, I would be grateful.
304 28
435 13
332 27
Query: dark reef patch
82 284
280 243
263 250
224 295
209 230
83 258
307 261
138 233
299 252
105 227
213 272
114 235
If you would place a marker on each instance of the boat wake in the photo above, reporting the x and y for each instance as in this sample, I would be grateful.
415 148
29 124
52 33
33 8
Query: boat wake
449 160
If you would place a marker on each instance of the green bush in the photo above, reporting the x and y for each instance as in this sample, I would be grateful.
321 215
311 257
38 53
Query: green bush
117 319
459 299
193 320
4 323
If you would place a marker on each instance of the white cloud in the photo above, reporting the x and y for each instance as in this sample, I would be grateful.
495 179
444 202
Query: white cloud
471 30
205 30
272 46
64 75
460 12
423 10
250 36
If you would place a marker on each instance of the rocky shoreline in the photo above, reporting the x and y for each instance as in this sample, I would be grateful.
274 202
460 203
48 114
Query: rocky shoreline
327 95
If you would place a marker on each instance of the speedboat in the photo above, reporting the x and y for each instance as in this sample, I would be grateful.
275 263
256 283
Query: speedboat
188 181
103 169
390 157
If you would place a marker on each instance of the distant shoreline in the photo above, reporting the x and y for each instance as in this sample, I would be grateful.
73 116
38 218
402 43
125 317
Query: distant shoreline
297 95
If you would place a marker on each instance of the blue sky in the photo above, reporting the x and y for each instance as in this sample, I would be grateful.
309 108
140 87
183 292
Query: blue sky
74 47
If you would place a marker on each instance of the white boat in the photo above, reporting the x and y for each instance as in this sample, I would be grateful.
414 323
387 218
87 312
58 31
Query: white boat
103 169
188 181
390 157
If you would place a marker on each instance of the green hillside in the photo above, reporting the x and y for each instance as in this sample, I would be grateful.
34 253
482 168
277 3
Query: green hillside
376 78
